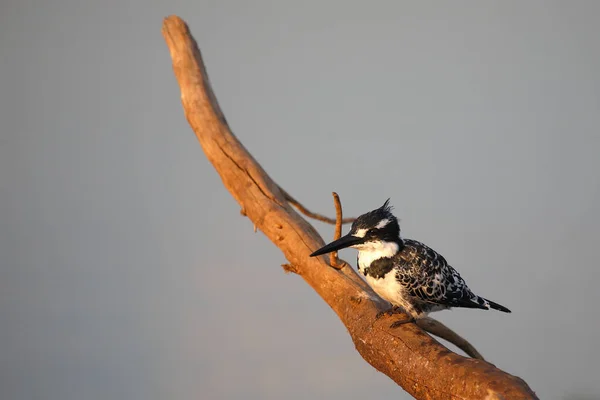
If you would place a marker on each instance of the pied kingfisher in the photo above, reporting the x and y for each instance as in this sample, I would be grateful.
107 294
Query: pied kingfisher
405 272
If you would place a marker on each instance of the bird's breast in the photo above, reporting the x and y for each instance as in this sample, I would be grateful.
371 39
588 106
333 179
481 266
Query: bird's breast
388 288
374 252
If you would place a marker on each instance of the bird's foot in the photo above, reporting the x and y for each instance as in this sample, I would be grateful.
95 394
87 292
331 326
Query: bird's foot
389 312
395 310
402 322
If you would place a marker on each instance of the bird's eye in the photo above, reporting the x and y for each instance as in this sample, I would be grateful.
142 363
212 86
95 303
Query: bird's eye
371 232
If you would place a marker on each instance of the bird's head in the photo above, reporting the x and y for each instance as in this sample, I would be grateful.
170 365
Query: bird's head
369 231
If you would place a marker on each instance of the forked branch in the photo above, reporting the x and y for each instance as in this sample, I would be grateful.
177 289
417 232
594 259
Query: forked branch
414 360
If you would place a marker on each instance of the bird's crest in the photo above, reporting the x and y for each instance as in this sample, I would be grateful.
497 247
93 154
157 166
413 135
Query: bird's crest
386 206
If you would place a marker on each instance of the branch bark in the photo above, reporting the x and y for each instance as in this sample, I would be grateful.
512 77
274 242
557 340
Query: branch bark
413 359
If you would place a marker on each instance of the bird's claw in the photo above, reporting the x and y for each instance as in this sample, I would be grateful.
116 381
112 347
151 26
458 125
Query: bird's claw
394 310
389 312
402 322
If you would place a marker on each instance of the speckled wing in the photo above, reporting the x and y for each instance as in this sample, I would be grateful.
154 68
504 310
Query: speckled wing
427 276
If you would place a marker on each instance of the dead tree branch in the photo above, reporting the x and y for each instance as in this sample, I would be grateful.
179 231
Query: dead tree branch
438 329
333 256
311 214
414 360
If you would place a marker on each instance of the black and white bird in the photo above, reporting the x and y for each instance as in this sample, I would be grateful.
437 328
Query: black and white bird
405 272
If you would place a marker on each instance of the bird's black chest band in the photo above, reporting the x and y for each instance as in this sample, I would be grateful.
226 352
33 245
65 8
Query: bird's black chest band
379 268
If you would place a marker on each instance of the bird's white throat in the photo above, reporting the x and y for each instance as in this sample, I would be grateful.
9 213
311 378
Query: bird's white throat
371 251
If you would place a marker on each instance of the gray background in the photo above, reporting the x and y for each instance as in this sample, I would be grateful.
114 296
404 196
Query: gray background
126 270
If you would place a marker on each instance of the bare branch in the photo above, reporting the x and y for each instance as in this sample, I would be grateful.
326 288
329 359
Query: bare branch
414 360
311 214
438 329
339 217
333 256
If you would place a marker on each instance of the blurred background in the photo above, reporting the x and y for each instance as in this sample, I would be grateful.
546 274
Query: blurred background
126 271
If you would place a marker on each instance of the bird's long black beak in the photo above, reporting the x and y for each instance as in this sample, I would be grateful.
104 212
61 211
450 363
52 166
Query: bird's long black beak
341 243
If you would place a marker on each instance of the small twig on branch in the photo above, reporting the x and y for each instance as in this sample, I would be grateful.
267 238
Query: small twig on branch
338 217
440 330
333 256
287 268
311 214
